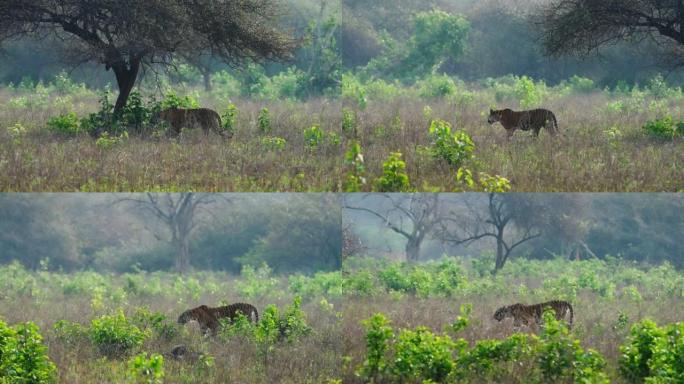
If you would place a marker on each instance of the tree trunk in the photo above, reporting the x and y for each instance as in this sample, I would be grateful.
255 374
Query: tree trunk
500 255
125 79
413 249
207 81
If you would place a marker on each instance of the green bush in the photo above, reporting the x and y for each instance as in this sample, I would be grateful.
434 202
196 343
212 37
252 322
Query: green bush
146 370
665 128
229 119
115 335
23 357
378 334
264 121
273 143
421 355
394 177
667 361
561 356
528 92
68 124
155 321
455 148
636 354
436 86
349 122
582 84
313 136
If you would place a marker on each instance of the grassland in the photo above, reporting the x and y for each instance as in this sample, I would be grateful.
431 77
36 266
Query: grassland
603 148
608 297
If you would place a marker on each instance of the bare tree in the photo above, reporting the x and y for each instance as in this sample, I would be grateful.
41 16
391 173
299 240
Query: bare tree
178 213
496 220
583 26
129 35
413 216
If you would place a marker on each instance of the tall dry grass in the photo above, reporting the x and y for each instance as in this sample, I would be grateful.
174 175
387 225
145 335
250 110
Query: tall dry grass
601 150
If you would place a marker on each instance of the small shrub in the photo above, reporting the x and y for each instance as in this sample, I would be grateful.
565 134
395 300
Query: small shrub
17 133
115 335
421 355
155 321
264 121
378 334
667 362
172 100
349 123
436 86
313 136
353 159
68 125
665 128
454 148
229 119
638 350
394 177
146 370
527 92
559 355
23 357
105 141
270 143
582 84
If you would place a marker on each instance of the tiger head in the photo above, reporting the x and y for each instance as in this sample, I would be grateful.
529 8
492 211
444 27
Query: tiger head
495 116
501 313
192 314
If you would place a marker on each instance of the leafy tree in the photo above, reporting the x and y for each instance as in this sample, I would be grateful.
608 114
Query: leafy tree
413 216
437 37
583 26
128 35
178 213
496 219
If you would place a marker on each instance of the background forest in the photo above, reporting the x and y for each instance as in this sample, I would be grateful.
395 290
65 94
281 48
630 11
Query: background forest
124 233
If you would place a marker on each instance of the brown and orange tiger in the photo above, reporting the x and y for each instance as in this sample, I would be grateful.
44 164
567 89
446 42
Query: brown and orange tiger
209 318
203 316
179 118
527 314
535 120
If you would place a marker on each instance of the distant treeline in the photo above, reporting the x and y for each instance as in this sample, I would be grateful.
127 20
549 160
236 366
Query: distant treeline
107 232
357 36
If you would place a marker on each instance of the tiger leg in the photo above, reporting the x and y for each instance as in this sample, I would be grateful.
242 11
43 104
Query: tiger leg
510 133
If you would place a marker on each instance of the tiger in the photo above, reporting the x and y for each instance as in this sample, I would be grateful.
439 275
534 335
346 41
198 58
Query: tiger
231 311
525 120
525 314
202 315
208 317
179 118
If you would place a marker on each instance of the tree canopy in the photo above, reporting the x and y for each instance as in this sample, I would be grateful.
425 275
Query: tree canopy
127 36
583 26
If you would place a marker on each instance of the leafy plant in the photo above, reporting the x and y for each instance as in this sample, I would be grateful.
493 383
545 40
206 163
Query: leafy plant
454 148
313 136
229 119
394 177
378 334
264 121
68 124
115 335
146 370
273 143
665 128
349 122
23 357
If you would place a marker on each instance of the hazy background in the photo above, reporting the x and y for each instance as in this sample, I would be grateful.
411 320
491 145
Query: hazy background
500 42
637 227
115 232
